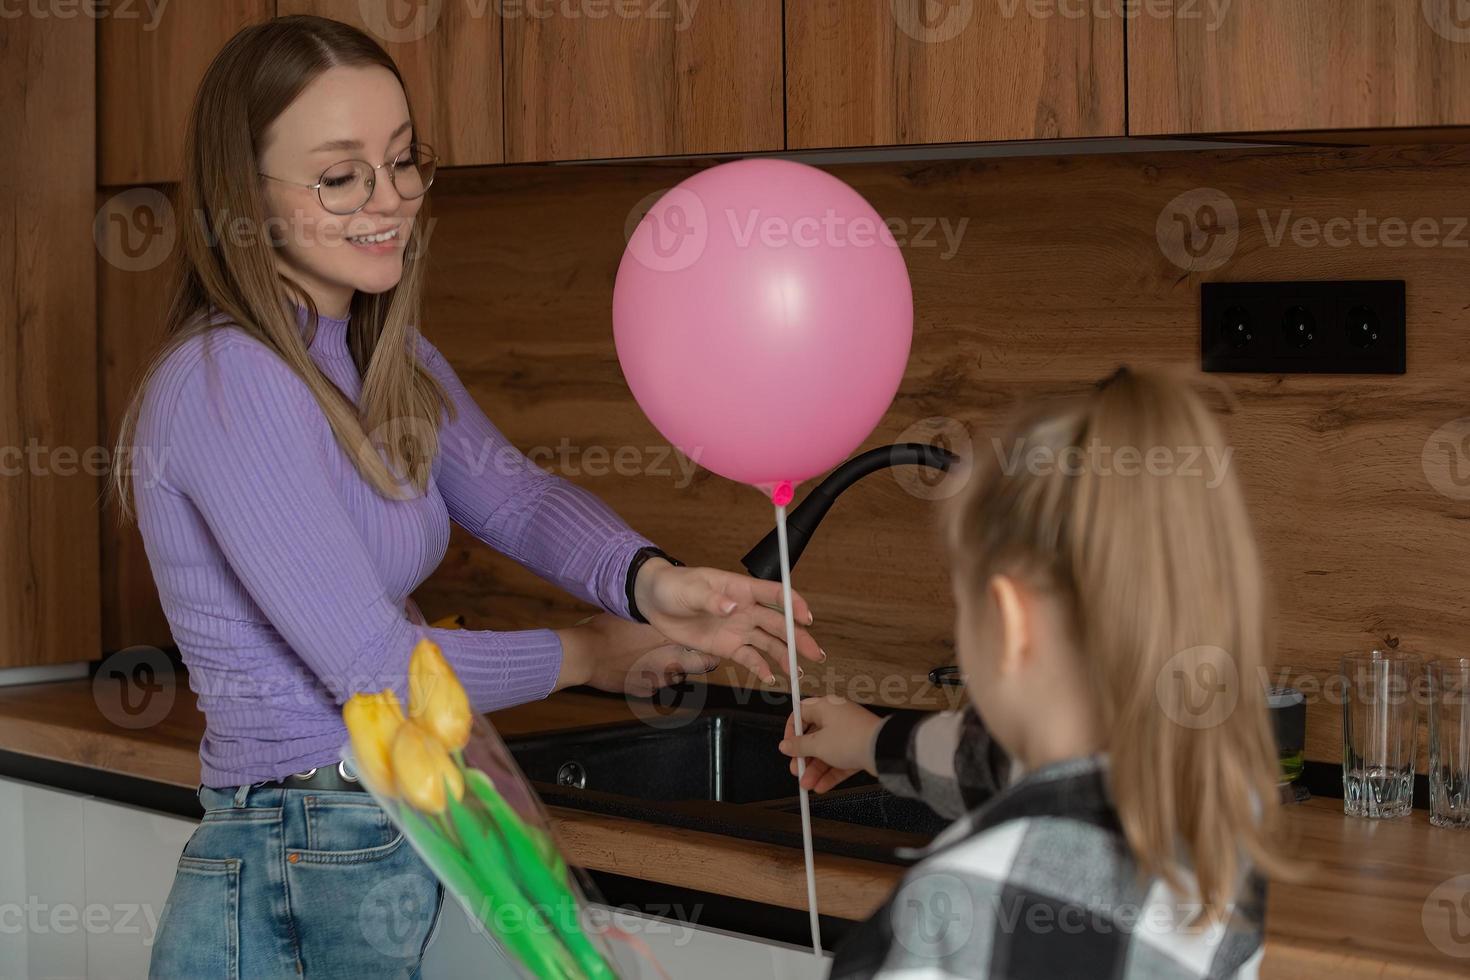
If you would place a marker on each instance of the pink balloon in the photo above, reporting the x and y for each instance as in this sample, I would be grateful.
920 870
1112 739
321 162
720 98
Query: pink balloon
762 317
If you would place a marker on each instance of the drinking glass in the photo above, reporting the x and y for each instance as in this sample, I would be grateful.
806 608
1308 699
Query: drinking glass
1379 719
1449 743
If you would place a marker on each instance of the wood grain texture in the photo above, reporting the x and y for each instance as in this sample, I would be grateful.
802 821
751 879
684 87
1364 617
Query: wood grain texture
48 403
642 79
76 721
882 72
848 888
1370 890
1269 65
132 304
1055 276
449 54
149 67
1366 910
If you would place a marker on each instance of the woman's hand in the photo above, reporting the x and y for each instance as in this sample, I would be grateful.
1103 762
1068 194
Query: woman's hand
733 616
613 654
837 741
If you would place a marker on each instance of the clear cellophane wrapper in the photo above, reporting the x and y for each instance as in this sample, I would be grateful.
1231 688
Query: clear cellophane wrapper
494 851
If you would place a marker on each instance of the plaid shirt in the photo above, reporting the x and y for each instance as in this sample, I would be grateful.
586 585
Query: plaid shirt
1033 880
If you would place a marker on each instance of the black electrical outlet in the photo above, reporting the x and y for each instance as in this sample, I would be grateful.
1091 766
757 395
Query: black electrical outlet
1354 327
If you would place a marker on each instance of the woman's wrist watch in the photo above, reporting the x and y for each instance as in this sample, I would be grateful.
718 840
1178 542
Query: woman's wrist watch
639 557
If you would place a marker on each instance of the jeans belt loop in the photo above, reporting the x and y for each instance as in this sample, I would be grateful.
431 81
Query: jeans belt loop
242 793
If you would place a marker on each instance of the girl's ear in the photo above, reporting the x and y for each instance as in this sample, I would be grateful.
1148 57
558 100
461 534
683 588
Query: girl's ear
1013 617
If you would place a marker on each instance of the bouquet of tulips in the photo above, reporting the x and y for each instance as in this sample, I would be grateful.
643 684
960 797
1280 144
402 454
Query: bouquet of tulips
449 783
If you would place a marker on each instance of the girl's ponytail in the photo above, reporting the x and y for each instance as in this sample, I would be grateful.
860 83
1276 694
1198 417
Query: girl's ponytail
1126 503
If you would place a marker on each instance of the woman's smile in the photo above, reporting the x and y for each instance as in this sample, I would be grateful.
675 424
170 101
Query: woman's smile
384 242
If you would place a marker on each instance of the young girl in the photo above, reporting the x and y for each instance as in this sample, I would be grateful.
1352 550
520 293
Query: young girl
308 449
1114 774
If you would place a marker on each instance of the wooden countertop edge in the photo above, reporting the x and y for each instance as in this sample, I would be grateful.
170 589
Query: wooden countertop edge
53 727
1296 960
124 753
847 888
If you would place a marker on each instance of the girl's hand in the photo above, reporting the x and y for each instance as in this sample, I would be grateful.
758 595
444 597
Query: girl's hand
837 741
613 654
719 612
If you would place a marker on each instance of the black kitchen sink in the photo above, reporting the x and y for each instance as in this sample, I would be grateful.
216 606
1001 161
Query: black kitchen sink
725 757
873 807
718 771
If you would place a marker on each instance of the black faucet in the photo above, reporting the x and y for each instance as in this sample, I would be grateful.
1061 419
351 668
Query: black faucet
764 560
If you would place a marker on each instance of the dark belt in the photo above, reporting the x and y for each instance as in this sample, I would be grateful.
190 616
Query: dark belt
324 779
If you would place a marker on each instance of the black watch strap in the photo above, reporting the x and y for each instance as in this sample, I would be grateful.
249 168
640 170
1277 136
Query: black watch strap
642 555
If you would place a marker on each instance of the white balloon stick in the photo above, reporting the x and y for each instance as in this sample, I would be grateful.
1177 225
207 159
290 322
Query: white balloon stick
806 809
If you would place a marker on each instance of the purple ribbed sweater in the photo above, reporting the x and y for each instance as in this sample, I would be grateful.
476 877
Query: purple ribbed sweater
285 576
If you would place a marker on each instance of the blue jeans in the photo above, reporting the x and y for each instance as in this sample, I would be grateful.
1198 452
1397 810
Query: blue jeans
295 882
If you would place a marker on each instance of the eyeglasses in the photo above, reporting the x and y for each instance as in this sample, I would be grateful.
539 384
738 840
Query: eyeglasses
346 187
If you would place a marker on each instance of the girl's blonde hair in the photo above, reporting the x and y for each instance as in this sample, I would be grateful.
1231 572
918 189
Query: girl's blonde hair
1155 557
253 79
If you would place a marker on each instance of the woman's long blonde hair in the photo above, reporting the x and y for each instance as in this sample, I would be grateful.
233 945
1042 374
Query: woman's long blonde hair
1159 566
251 81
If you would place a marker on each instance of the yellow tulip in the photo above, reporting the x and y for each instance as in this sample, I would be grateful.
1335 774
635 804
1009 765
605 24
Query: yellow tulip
373 720
422 767
436 700
455 622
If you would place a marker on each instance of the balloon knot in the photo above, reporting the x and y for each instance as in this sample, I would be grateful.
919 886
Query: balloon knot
783 493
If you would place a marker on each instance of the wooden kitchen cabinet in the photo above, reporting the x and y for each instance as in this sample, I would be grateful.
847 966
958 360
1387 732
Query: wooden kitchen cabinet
639 78
50 461
449 55
1273 66
148 68
887 72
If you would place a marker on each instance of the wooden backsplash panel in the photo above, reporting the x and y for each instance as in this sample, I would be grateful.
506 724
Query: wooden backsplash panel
1056 277
133 301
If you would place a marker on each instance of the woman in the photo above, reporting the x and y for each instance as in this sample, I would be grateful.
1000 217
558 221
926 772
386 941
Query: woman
307 451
